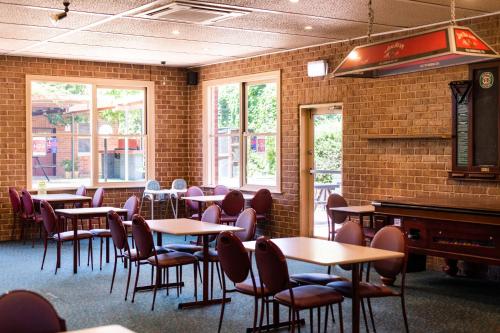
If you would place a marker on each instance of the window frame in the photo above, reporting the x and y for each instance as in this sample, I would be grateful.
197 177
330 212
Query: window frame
148 86
243 82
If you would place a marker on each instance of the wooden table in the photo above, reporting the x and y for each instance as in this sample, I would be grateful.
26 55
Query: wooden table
328 253
61 198
201 199
359 211
87 213
169 192
104 329
183 227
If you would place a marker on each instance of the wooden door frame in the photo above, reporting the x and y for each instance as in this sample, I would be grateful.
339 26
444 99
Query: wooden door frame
306 190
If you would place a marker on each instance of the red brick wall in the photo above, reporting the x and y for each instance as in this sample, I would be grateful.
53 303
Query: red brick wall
418 103
171 120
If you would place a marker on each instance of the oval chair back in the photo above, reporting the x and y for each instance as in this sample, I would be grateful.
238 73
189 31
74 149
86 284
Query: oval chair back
248 221
220 190
82 190
118 232
15 201
233 257
350 233
49 217
179 184
27 204
389 238
26 311
262 202
272 266
193 191
98 197
233 203
132 207
143 238
211 215
336 200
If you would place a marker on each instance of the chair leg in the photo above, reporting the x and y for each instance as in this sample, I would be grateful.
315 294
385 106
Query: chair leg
128 278
341 320
177 279
91 251
262 312
195 275
199 270
371 314
327 309
212 281
364 315
218 273
297 315
58 256
319 317
44 251
136 280
311 319
100 254
403 306
114 272
157 284
22 236
223 305
255 312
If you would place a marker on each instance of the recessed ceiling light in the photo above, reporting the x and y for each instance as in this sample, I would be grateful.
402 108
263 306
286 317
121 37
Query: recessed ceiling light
175 32
294 1
308 27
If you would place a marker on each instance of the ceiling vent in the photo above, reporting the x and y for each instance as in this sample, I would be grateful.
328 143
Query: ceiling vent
192 12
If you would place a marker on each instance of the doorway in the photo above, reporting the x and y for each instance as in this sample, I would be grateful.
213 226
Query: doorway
320 164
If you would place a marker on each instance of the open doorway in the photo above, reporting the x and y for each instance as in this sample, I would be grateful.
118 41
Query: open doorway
320 164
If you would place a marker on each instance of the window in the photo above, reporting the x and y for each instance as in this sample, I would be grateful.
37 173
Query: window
241 149
91 132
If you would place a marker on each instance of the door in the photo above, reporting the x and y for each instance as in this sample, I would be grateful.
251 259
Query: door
321 164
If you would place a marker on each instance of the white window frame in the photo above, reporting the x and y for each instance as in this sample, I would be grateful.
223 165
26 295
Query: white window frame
274 76
95 83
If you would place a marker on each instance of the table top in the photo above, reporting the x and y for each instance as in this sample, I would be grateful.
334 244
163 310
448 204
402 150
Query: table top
60 197
211 198
104 329
165 191
89 211
355 209
326 253
183 226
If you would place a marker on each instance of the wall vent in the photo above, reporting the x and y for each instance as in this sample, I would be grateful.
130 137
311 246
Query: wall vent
192 12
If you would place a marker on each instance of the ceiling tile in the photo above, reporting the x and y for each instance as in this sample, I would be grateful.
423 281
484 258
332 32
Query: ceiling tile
9 44
16 31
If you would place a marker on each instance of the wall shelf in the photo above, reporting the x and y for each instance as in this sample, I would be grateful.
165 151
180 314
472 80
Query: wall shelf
406 136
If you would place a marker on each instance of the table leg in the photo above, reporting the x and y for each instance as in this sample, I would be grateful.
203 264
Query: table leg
74 223
199 210
355 298
159 239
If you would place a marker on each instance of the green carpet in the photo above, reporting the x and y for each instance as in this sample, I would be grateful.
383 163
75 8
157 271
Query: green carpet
435 302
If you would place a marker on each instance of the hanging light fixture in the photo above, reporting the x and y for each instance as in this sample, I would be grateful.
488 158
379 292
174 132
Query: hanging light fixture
443 47
55 18
164 78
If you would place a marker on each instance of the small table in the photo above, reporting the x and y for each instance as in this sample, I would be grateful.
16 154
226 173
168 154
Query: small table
61 198
87 213
104 329
168 192
360 211
183 227
328 253
211 198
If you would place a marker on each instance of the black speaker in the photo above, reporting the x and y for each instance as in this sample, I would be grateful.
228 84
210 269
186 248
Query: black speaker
192 78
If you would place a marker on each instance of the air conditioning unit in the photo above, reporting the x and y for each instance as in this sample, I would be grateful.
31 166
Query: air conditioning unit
192 12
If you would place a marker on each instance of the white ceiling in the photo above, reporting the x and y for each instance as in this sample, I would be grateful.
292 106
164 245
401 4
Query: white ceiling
109 31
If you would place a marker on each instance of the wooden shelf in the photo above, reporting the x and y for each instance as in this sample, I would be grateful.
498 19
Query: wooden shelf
405 136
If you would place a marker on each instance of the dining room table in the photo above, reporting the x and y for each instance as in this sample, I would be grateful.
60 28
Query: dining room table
183 227
104 329
328 253
74 214
203 199
60 198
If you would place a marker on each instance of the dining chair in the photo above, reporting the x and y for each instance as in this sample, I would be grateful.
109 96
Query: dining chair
52 226
29 215
132 207
273 274
237 267
349 233
17 209
220 190
388 238
97 200
27 311
82 190
333 218
232 205
192 206
147 254
262 202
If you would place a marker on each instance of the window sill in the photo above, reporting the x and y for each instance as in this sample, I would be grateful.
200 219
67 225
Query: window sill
107 186
251 189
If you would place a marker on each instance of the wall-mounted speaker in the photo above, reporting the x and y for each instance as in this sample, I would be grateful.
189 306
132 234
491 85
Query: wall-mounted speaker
192 78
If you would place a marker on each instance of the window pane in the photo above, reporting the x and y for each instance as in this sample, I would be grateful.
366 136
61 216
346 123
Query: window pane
121 111
262 110
121 159
226 162
226 106
261 160
60 112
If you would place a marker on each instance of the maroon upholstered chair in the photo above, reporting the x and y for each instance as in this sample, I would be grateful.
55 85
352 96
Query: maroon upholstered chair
262 202
82 190
15 202
52 226
97 200
232 205
335 200
26 311
235 264
273 273
350 233
220 190
388 238
192 206
29 214
147 254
